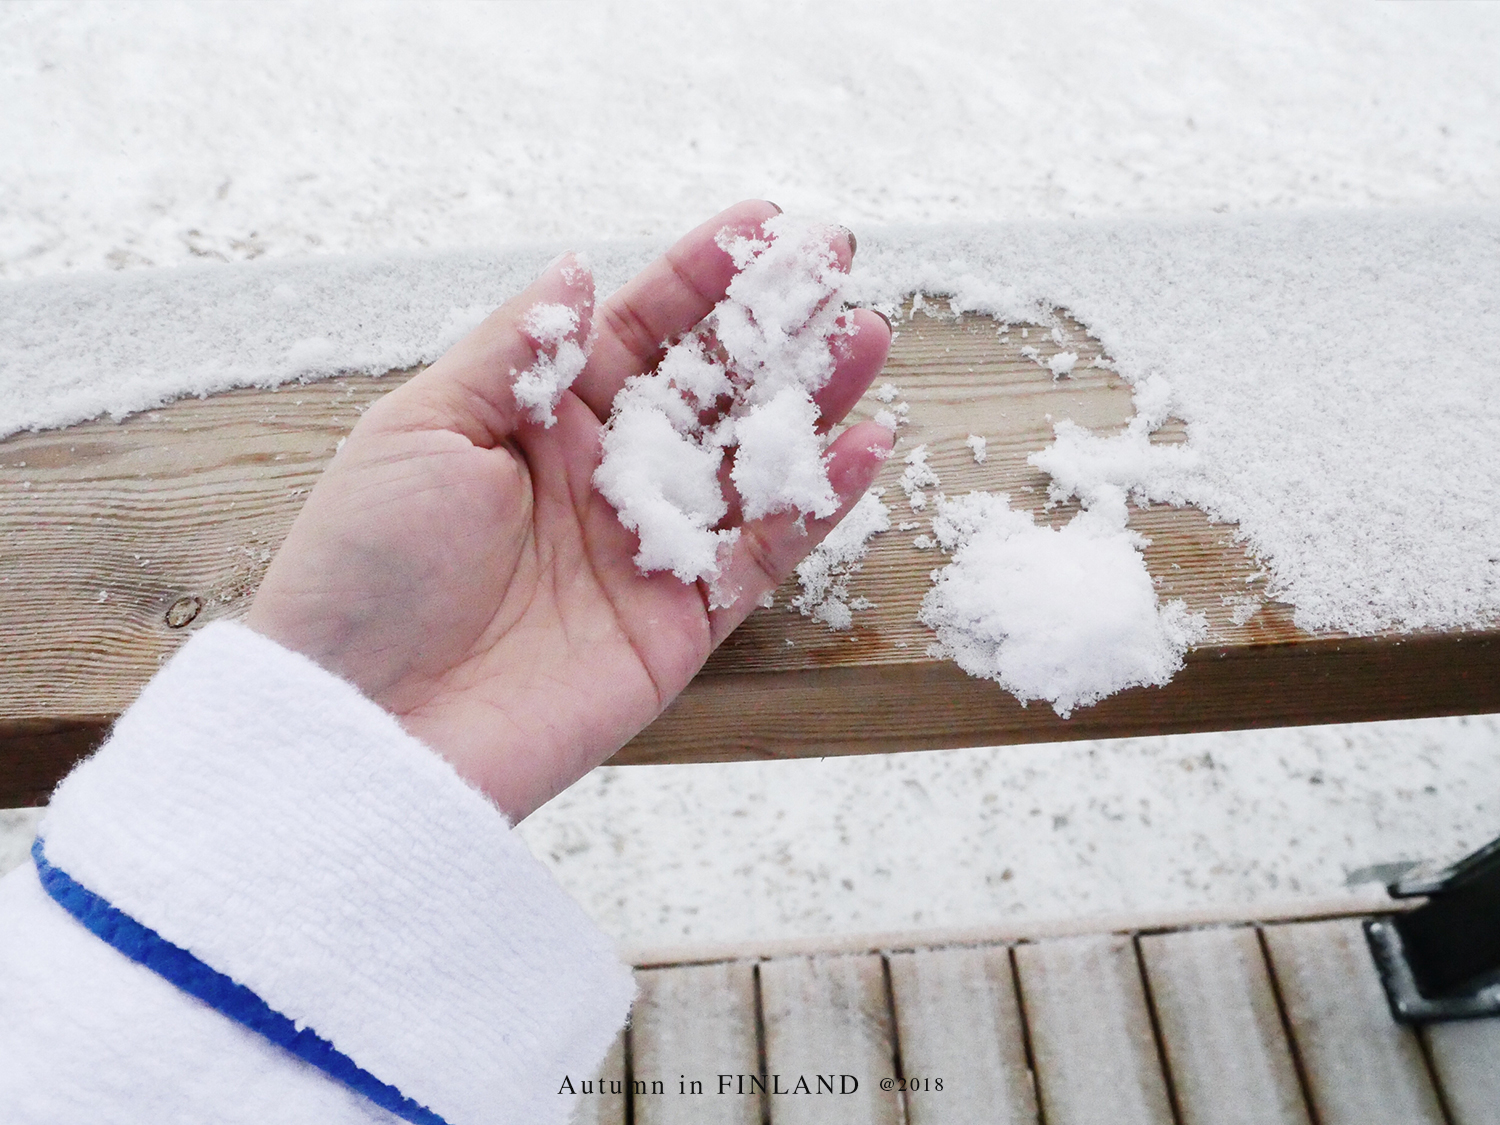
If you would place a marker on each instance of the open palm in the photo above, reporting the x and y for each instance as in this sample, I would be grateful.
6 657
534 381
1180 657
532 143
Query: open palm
457 565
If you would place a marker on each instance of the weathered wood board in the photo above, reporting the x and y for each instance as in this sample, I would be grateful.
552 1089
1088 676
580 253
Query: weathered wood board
1221 1029
963 1051
1283 1023
1361 1066
117 540
694 1028
1092 1039
1466 1061
829 1040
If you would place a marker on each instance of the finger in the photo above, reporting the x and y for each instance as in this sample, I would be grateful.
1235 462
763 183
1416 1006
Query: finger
858 359
471 389
668 298
769 549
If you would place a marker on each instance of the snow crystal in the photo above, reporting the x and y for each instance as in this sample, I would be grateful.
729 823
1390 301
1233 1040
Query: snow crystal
887 393
559 360
1062 364
824 574
977 445
775 327
1066 615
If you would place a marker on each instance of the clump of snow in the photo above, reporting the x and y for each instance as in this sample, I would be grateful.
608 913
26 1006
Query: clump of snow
978 446
559 361
743 381
824 574
1067 615
894 418
916 476
1103 471
887 393
1062 363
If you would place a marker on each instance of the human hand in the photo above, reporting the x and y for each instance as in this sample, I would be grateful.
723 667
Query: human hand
457 565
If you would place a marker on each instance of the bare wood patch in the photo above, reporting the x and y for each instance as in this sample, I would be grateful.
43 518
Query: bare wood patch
690 1025
829 1016
1466 1059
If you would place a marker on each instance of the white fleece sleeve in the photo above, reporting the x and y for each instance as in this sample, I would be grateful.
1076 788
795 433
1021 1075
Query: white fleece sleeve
282 830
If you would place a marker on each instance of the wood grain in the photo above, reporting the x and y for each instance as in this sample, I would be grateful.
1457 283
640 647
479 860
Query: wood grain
1466 1060
117 540
691 1024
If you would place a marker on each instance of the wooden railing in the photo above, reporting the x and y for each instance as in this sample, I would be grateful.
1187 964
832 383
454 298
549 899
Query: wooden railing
118 539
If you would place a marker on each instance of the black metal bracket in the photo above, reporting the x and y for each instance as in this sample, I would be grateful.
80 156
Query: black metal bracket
1441 961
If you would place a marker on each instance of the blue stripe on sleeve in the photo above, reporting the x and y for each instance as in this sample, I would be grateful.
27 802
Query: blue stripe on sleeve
218 991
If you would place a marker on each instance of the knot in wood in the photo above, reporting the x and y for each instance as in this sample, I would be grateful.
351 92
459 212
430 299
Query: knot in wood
182 611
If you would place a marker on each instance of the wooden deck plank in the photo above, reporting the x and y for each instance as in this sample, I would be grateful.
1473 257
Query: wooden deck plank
829 1016
1221 1029
1361 1065
690 1024
117 540
1466 1059
606 1107
1092 1041
959 1021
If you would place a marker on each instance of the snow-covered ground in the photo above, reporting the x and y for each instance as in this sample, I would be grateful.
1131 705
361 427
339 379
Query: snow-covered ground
158 135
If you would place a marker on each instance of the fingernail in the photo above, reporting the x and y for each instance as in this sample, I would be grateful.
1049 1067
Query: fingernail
779 211
853 242
889 327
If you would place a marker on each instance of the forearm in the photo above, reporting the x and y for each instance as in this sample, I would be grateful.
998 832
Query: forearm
260 815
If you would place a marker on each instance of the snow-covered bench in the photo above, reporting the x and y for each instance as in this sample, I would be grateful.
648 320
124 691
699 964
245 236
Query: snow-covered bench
118 539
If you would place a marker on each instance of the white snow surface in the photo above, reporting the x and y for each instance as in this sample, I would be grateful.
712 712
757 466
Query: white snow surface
559 361
1292 215
136 133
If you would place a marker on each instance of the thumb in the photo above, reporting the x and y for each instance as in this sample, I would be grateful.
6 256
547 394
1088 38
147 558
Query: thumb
510 371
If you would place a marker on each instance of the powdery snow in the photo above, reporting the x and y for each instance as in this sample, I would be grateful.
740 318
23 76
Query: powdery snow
159 133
